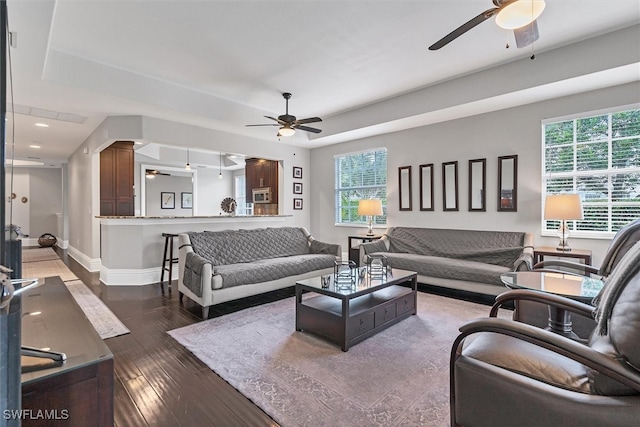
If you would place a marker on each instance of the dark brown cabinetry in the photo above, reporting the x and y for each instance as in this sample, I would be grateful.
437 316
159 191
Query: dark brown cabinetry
261 173
116 179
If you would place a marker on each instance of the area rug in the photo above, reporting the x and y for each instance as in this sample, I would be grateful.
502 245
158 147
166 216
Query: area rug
101 317
47 268
398 377
39 254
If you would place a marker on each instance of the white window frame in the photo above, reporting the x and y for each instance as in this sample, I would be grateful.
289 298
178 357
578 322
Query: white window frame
362 221
575 173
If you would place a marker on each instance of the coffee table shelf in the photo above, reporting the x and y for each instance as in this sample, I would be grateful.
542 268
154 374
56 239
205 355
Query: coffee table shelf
348 316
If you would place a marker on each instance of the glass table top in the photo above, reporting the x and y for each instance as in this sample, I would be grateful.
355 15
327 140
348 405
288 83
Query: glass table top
568 285
357 282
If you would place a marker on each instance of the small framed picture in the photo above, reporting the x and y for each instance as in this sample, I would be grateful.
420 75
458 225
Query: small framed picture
297 188
187 201
297 204
297 172
167 200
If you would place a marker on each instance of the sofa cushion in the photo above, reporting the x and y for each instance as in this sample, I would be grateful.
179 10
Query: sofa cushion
272 269
232 247
493 247
447 268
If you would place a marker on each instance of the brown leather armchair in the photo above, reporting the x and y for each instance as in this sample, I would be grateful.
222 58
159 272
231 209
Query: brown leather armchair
506 373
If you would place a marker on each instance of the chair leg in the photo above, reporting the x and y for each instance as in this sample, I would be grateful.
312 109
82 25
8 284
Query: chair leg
164 260
170 263
180 295
205 313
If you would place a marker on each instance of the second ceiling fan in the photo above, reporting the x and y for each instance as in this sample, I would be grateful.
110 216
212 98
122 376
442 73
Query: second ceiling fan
288 123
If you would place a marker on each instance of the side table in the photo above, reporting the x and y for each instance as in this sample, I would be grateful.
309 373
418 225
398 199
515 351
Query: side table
541 251
579 288
354 252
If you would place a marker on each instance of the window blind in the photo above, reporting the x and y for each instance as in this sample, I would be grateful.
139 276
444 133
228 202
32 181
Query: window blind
360 176
597 157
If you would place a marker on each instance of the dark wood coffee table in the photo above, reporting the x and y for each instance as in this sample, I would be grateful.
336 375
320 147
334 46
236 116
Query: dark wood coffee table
345 314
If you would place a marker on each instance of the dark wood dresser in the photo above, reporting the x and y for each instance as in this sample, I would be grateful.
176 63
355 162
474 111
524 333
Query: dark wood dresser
78 391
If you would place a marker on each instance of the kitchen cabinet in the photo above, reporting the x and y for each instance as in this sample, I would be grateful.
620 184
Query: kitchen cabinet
116 179
261 173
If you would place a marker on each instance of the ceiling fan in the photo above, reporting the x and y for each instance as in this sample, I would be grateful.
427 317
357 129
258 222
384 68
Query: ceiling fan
517 15
288 123
151 173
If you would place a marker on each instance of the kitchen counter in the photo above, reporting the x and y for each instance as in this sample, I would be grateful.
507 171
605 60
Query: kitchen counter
131 247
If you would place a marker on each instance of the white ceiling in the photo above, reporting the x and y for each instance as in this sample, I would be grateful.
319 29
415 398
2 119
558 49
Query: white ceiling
224 64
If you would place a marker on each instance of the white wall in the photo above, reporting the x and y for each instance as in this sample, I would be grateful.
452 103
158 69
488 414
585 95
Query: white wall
506 132
43 210
167 184
84 173
212 190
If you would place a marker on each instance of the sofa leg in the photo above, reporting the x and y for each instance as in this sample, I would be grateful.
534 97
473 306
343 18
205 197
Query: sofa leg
180 295
205 312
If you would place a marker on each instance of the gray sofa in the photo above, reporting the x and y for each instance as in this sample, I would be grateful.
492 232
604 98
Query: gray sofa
467 260
219 266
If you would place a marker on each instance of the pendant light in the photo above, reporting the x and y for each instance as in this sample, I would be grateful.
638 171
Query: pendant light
220 174
188 166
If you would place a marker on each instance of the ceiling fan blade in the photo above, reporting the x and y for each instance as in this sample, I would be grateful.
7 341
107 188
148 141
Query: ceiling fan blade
308 120
464 28
269 124
307 128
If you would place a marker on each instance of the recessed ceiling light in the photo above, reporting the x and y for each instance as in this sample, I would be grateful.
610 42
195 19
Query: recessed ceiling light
42 125
34 146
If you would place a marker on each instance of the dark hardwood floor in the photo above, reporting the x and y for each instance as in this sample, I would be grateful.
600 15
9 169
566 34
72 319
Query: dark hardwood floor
157 381
160 383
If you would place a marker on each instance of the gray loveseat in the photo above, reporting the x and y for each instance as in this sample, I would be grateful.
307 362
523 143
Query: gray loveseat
219 266
468 260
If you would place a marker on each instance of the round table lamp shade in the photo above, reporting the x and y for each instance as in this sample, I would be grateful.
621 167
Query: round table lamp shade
563 207
370 207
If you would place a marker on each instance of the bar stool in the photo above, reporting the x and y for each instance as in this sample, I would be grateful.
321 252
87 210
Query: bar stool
168 245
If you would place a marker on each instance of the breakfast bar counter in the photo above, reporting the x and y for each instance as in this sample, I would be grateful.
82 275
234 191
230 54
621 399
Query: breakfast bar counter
131 247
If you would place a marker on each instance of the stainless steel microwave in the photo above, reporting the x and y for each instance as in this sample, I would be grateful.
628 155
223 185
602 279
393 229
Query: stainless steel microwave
261 195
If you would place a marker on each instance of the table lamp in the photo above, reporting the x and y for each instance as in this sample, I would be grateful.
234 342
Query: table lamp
370 207
563 207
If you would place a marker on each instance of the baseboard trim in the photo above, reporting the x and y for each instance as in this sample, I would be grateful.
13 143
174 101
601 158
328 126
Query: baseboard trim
132 276
90 264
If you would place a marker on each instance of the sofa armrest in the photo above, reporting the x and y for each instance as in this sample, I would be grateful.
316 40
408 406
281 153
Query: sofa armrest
379 245
525 260
318 247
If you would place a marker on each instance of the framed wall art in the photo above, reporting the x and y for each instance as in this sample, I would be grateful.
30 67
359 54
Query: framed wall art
508 183
404 187
297 204
450 186
297 188
477 185
167 200
297 172
426 187
187 201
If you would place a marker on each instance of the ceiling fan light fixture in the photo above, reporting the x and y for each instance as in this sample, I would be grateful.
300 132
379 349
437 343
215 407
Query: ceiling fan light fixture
519 13
286 131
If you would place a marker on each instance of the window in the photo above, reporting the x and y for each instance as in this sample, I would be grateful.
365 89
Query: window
598 157
360 176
